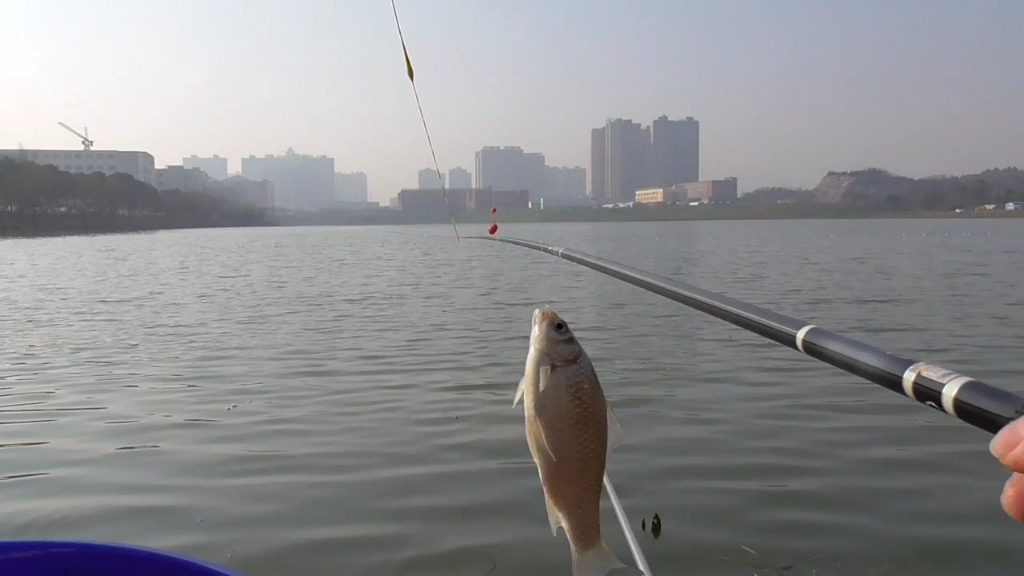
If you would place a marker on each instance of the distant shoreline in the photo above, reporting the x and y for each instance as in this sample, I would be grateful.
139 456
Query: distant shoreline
385 217
56 225
71 224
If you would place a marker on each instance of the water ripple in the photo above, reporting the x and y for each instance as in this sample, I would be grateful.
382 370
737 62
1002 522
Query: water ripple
338 400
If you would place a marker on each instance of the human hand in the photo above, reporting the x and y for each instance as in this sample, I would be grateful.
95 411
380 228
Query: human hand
1008 448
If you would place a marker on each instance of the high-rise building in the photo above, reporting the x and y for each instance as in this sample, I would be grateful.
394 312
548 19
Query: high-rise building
597 161
499 167
459 178
351 187
428 179
562 184
627 159
675 150
301 181
534 166
215 167
509 168
139 165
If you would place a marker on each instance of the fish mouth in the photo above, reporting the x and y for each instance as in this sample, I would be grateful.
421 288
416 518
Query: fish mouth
540 314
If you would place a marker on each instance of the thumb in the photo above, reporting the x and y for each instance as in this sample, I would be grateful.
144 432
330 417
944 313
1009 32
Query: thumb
1008 446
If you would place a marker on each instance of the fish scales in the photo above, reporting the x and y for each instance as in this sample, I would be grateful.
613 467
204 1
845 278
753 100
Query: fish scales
569 429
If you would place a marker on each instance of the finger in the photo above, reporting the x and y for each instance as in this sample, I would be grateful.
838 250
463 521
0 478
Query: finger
1008 446
1013 497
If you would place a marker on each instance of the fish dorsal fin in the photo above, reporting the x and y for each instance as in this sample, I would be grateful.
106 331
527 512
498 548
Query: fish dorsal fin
614 430
545 377
519 391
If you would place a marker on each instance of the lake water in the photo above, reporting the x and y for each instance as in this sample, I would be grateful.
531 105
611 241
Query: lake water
339 400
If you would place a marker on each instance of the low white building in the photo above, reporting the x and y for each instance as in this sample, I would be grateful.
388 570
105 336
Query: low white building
139 165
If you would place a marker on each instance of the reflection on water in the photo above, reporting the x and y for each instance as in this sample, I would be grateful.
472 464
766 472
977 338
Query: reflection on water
338 400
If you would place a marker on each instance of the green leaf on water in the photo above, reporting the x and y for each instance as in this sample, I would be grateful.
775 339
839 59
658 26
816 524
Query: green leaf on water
656 526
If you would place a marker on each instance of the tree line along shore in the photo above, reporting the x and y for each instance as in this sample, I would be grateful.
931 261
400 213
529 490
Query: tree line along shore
41 200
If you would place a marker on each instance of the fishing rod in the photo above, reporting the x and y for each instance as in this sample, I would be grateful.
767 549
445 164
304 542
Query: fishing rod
627 530
970 400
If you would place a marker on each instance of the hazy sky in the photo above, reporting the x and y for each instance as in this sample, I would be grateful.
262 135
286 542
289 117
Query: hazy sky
784 90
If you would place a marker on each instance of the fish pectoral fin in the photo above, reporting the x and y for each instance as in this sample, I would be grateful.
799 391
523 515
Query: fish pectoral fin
545 377
544 441
614 430
519 391
554 516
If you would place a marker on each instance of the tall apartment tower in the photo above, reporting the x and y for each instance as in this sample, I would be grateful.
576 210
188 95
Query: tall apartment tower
534 167
627 159
428 179
499 168
301 181
675 150
459 178
509 168
215 167
597 160
351 187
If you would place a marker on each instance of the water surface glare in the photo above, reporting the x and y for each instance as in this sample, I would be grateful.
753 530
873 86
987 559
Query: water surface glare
339 400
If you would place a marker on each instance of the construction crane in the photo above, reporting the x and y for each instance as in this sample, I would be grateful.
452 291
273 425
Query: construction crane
86 142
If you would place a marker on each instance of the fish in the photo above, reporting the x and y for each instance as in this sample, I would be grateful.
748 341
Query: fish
570 430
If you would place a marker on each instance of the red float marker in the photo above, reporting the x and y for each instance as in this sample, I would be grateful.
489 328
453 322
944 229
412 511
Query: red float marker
494 222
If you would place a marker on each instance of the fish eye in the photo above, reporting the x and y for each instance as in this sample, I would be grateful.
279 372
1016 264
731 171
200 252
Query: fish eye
559 326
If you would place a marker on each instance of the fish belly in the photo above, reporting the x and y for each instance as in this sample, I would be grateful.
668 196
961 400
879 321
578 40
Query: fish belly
571 477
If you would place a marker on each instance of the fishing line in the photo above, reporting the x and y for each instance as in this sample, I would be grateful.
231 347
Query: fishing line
634 547
970 400
430 143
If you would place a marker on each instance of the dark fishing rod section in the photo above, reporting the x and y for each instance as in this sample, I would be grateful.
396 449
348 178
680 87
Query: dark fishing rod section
972 401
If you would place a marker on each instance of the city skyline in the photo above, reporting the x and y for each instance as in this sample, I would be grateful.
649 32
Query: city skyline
790 96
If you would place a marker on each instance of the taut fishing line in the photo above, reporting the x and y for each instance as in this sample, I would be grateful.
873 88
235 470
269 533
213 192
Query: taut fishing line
620 513
412 80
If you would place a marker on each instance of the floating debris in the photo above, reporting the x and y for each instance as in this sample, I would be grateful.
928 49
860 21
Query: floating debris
643 524
656 526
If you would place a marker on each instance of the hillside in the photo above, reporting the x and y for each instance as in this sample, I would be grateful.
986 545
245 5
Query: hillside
874 187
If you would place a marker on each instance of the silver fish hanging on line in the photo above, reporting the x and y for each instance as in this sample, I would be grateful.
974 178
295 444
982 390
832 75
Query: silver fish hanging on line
570 430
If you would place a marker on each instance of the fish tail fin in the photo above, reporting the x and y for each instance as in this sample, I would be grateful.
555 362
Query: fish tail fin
598 561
